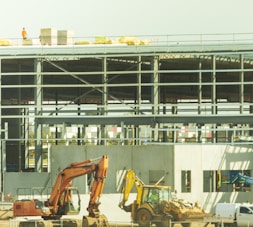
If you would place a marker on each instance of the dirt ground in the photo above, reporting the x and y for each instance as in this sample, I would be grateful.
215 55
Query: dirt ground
4 223
109 207
74 223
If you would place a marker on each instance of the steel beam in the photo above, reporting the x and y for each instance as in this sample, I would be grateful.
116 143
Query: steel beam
145 120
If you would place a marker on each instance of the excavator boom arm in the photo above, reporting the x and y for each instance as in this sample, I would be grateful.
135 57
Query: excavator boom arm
65 177
97 186
129 181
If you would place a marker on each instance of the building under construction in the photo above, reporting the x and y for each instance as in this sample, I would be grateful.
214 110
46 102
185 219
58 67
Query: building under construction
174 91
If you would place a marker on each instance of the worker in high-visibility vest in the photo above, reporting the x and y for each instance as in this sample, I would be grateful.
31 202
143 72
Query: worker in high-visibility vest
154 196
24 34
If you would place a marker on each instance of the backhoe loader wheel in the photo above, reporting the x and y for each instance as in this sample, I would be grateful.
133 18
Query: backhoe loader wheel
144 218
166 222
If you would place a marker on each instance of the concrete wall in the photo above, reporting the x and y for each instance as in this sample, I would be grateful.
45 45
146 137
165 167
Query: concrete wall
142 159
139 158
24 182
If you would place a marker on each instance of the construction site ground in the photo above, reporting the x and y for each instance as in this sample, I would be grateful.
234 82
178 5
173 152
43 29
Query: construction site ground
77 223
109 207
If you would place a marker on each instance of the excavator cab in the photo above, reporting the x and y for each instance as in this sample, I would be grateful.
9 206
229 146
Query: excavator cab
34 207
154 195
66 204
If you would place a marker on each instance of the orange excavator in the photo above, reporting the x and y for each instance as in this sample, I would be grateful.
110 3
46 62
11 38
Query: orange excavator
60 200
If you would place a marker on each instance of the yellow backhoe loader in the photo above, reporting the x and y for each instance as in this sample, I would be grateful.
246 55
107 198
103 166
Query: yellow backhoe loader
155 204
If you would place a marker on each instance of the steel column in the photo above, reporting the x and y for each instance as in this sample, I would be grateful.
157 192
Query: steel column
38 112
155 95
214 101
139 101
105 102
241 84
1 150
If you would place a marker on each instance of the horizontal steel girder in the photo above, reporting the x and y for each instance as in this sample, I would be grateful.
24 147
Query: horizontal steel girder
145 120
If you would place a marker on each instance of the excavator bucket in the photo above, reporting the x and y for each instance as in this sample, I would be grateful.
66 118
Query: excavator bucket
182 211
101 221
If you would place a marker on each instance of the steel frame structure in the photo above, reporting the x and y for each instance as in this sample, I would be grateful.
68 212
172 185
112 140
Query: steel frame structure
173 93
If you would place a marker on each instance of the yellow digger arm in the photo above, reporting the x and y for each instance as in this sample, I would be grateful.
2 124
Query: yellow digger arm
130 179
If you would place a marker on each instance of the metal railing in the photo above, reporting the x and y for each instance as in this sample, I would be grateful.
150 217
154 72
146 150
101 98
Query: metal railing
212 39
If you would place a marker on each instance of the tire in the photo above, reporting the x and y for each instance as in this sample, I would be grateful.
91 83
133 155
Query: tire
186 224
166 222
143 218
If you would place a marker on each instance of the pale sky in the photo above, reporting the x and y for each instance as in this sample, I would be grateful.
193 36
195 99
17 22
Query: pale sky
130 17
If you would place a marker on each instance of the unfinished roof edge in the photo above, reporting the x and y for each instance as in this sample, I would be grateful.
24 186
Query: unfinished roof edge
104 49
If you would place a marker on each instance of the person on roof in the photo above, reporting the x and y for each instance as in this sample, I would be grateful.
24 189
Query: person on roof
24 34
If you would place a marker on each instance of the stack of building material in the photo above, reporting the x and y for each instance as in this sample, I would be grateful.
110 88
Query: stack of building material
129 40
5 42
65 37
82 42
102 40
27 42
48 36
